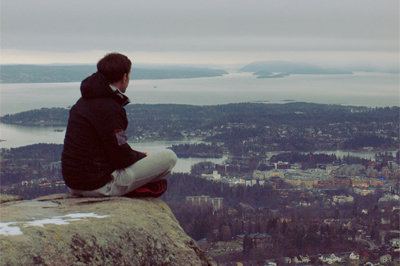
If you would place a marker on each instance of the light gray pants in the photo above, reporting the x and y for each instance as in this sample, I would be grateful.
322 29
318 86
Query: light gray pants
149 169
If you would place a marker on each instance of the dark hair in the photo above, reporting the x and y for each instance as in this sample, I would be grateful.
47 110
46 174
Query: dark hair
113 66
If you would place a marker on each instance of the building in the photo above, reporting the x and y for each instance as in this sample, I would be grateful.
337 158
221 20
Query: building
300 259
330 259
251 182
214 175
332 169
385 258
354 256
53 166
341 199
282 165
217 203
341 181
395 242
260 175
363 192
274 173
260 240
389 198
302 182
365 182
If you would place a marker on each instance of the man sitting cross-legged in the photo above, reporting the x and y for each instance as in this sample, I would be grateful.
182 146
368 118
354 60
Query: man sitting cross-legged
97 160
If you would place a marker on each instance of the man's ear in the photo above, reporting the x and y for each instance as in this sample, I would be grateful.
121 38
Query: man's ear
125 77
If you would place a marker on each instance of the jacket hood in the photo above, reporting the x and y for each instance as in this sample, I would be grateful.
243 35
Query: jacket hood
96 86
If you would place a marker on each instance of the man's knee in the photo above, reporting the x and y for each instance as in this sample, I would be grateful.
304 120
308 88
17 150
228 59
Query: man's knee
172 157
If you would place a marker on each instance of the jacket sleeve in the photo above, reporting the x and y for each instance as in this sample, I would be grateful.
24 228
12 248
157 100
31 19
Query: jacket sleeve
111 130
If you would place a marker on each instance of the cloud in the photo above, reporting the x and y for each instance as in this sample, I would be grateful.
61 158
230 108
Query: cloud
157 26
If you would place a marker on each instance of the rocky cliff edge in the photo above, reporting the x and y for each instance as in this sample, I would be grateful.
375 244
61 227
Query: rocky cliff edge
65 230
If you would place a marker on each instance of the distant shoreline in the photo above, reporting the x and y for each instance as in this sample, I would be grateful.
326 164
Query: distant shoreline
75 81
30 73
19 74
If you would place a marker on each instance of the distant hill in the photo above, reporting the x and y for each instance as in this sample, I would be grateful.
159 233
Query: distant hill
76 73
38 117
277 69
193 116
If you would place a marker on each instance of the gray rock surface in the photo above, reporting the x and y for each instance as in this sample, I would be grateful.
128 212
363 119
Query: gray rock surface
6 198
65 230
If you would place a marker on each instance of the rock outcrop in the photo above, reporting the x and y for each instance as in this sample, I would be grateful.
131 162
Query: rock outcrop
6 198
65 230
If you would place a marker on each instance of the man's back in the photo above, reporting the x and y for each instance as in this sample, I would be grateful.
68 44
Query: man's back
92 150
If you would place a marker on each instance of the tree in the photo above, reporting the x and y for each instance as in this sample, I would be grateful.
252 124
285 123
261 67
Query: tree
225 233
247 245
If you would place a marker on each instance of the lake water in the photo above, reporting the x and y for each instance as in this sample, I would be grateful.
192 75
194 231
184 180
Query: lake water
17 136
364 89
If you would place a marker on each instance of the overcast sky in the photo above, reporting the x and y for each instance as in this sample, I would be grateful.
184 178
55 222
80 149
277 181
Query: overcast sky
331 32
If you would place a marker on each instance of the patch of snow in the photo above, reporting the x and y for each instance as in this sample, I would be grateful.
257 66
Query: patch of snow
6 229
85 215
41 223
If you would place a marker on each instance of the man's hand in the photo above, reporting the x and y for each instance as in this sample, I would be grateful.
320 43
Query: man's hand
145 153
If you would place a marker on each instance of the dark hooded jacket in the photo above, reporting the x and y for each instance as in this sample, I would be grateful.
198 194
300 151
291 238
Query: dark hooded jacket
95 141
